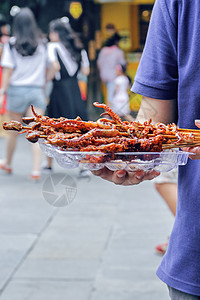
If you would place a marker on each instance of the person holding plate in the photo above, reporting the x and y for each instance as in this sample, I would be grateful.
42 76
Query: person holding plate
168 78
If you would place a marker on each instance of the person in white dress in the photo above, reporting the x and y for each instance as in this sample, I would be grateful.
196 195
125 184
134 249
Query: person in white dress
120 101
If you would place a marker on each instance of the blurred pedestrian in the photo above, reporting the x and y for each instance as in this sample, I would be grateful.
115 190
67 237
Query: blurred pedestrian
109 57
24 62
66 51
110 29
166 186
67 54
4 31
83 75
120 103
4 38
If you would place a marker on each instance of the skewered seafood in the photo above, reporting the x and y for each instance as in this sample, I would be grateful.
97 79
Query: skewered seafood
105 135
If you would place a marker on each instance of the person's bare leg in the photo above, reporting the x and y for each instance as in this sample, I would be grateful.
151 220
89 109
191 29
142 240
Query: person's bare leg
49 162
36 151
11 138
168 192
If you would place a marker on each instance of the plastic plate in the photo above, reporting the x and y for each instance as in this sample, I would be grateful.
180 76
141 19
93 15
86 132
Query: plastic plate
131 161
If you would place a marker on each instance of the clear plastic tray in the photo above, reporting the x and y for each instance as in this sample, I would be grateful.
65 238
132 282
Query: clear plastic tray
131 161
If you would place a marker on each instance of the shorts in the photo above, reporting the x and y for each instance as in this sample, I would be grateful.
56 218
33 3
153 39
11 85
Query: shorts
178 295
167 177
19 98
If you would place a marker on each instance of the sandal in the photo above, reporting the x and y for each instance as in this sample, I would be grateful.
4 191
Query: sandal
34 177
5 168
161 248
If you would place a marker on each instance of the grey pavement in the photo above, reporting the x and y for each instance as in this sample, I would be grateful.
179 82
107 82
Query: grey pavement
100 247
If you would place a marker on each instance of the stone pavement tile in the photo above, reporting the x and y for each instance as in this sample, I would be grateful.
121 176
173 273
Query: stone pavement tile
47 290
107 235
12 252
129 290
71 239
147 215
23 208
93 200
129 263
132 254
130 260
73 269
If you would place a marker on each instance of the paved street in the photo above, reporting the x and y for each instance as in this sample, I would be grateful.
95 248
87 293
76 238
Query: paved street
100 247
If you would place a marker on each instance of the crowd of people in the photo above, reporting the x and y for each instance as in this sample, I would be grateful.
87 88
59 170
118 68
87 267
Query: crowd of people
34 70
47 72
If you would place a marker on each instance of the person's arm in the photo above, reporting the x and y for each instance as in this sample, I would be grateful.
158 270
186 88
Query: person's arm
121 58
53 63
7 72
8 65
164 111
116 89
100 59
159 111
52 70
85 64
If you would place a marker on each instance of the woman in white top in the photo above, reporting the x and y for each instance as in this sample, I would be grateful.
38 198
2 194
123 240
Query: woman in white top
66 50
24 62
68 57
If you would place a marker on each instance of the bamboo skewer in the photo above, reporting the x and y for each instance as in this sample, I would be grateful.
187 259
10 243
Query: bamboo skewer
189 130
173 137
171 146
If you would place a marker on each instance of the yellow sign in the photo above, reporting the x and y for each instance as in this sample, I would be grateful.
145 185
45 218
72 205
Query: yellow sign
75 9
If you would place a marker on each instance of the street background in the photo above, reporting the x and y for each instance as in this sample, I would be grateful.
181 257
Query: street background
101 246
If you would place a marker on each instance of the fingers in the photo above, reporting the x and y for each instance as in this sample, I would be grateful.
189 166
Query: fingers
137 177
151 175
195 152
104 173
122 177
197 123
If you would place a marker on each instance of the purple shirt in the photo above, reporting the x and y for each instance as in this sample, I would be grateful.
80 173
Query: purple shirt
170 69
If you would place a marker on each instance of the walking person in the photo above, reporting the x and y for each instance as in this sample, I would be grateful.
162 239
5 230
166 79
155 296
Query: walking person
120 103
4 38
66 50
109 57
166 186
168 78
68 56
24 62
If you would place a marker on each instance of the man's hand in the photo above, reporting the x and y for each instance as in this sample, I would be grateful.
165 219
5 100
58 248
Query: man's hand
194 150
159 111
122 177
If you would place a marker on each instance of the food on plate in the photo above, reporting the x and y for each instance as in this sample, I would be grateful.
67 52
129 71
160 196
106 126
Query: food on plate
109 134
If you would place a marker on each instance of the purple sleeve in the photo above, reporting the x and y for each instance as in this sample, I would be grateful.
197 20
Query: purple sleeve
157 74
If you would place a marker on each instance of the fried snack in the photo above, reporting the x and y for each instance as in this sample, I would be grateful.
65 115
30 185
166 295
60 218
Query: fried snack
107 135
